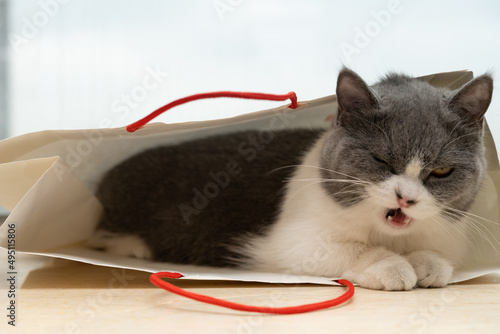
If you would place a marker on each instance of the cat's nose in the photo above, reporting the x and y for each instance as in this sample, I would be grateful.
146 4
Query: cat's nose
404 201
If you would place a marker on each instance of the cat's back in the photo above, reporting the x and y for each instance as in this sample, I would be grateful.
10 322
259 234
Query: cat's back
204 193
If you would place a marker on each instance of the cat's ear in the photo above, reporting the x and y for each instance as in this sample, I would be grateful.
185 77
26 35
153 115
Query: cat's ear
472 100
353 95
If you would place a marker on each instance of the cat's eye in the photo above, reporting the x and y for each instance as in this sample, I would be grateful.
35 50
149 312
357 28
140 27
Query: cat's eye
379 160
385 163
442 172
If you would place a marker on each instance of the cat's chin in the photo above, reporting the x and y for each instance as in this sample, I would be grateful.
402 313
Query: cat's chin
397 219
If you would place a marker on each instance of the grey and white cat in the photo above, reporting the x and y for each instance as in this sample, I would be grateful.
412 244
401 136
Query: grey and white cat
379 198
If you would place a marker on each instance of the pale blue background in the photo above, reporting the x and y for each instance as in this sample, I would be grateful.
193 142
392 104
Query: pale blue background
74 68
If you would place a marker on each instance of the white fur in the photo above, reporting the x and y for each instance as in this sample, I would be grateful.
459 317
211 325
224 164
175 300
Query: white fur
414 168
316 236
120 244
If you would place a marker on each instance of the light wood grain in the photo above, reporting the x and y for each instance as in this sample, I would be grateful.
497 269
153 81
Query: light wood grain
70 297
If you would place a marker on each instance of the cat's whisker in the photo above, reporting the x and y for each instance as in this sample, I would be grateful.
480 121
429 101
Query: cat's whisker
474 227
280 168
449 223
352 201
300 189
326 180
454 152
353 181
320 168
360 195
463 230
452 132
452 230
484 236
337 172
359 192
466 213
321 181
343 191
449 137
477 133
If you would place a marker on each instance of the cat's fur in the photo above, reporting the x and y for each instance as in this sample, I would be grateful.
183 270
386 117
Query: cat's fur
379 198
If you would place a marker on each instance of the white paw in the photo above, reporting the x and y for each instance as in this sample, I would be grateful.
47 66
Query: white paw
393 273
432 270
120 244
381 269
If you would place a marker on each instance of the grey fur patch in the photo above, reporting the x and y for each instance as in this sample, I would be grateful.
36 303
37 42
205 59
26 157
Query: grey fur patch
190 201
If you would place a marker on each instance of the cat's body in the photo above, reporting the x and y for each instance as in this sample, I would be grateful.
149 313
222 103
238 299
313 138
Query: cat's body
378 199
196 197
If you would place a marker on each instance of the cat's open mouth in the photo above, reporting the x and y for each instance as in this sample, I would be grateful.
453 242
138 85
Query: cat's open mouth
397 218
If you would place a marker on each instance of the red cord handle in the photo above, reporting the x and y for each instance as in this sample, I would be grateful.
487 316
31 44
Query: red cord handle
156 279
243 95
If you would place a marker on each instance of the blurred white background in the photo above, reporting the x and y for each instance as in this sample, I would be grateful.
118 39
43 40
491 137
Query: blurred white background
105 63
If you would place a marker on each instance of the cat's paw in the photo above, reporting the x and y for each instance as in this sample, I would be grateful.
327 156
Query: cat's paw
392 273
120 244
432 270
381 269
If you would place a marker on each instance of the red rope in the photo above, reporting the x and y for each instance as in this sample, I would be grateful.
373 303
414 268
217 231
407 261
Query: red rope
243 95
156 279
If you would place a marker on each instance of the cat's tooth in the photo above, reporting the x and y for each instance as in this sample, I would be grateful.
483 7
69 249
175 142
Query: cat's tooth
390 218
407 220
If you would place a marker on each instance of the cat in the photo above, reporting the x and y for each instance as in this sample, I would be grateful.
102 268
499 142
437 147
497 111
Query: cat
380 198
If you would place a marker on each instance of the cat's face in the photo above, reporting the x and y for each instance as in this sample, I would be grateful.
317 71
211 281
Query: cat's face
406 151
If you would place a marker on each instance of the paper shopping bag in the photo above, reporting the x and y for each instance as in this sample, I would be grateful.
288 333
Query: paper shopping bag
48 179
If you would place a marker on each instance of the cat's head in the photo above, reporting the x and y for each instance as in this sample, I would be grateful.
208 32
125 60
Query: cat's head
404 150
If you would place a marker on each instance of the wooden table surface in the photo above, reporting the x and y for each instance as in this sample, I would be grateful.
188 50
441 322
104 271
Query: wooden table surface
60 296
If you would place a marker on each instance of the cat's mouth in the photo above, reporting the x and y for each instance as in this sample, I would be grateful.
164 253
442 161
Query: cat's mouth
397 218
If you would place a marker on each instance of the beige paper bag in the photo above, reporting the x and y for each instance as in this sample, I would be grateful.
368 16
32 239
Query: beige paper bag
47 181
